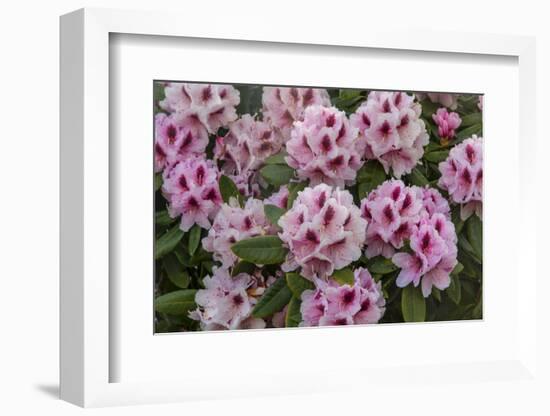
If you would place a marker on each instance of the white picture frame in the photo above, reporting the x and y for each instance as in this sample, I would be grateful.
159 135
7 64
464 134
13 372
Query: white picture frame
86 356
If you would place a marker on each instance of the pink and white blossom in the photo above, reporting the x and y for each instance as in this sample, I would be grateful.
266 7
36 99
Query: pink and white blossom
232 224
226 302
212 105
322 147
246 146
279 198
391 131
332 304
462 176
282 106
177 139
323 230
191 188
447 123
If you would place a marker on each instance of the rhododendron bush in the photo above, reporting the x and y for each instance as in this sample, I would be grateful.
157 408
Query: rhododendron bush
297 207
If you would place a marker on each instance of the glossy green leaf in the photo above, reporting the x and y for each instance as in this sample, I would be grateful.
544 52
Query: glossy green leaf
179 302
297 284
162 218
369 177
293 315
437 156
166 242
474 231
293 190
158 181
416 177
277 175
467 132
273 213
175 271
344 276
413 304
381 265
229 190
471 119
273 300
278 159
194 239
261 250
454 290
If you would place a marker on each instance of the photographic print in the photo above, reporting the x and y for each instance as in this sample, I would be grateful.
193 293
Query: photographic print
290 206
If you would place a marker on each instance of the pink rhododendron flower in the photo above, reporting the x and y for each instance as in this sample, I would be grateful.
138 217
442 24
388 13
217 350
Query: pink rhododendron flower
323 230
462 176
191 188
392 210
226 302
433 257
246 145
322 147
177 139
233 224
213 105
391 131
446 124
279 198
332 304
283 106
421 216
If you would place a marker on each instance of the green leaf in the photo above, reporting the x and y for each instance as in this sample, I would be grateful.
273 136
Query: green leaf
344 277
417 178
158 181
250 99
278 159
273 300
413 304
194 239
465 245
454 290
166 242
243 267
370 176
293 315
179 302
261 250
471 119
175 271
273 213
277 175
229 190
436 293
455 217
458 268
428 108
437 156
474 231
293 190
467 132
381 265
297 284
162 218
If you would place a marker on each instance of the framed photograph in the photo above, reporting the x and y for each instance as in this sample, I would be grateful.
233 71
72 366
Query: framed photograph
291 213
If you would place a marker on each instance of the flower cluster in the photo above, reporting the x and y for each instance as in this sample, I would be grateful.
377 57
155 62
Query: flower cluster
391 130
462 176
244 148
191 188
283 106
210 104
234 224
446 124
333 304
323 230
226 301
177 138
322 147
398 214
